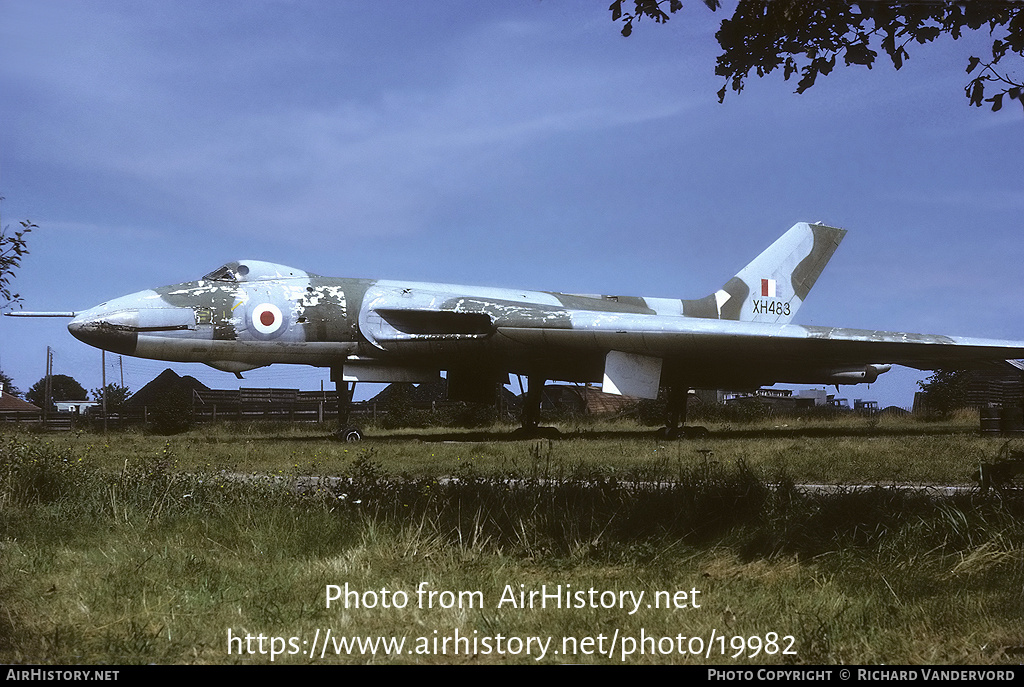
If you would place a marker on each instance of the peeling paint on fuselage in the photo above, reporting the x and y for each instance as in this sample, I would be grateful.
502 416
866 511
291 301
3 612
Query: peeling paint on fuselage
220 297
249 314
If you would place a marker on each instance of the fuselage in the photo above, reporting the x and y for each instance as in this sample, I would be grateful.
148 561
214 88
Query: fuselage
249 314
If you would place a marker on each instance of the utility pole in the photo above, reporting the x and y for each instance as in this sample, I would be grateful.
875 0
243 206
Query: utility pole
103 363
48 386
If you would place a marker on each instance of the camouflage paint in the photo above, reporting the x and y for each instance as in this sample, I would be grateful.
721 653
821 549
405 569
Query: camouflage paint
249 314
826 241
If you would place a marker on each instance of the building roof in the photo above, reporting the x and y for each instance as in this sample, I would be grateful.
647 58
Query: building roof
13 404
167 382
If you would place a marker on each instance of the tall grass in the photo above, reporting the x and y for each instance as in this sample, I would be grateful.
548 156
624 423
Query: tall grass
142 561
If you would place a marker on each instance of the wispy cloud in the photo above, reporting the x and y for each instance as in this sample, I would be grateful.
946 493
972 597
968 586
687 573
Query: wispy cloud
204 139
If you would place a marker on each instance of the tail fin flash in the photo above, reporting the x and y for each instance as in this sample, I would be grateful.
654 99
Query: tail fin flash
772 287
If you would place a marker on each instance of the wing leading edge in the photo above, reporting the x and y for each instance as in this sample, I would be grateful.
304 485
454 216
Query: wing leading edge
749 354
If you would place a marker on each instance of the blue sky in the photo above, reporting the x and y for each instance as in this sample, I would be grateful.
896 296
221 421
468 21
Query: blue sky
516 144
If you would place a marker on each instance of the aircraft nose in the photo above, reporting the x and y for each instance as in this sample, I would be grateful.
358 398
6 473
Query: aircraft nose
116 332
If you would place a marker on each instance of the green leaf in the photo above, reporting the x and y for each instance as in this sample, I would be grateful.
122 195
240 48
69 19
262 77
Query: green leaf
790 67
898 57
998 50
859 53
975 91
972 63
616 8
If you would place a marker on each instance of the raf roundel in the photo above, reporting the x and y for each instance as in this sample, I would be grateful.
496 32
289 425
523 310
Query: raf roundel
267 318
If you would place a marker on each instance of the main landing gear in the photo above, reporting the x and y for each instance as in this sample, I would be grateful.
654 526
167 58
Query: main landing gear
676 417
531 428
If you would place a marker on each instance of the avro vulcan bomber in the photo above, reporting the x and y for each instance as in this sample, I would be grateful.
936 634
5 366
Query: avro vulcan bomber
249 314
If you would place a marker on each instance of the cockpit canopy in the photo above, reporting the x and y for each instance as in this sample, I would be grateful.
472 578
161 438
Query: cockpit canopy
254 270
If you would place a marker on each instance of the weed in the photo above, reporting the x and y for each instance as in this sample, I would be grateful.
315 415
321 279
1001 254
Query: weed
147 555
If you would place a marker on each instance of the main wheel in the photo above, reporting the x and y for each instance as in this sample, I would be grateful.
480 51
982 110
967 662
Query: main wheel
696 432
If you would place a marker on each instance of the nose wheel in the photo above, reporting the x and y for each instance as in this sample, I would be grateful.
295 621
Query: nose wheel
344 391
349 434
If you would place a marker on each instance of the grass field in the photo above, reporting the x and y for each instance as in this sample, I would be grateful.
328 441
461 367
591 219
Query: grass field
849 450
134 548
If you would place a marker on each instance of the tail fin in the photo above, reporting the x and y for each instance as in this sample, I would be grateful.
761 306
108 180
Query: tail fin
774 285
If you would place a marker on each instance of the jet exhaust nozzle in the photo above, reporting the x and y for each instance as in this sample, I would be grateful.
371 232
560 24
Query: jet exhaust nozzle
858 375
